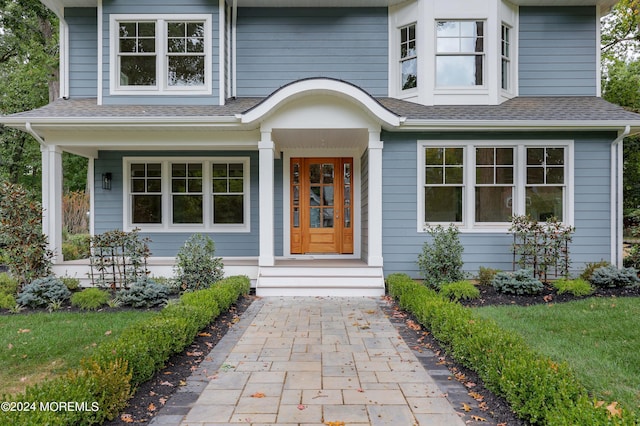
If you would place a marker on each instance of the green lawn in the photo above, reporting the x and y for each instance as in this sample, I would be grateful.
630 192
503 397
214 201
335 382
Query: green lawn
34 347
598 337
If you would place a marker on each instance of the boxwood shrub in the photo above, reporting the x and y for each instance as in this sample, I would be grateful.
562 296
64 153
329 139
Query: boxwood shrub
108 376
539 390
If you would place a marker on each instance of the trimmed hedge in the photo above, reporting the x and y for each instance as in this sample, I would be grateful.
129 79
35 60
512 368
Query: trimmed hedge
105 381
539 390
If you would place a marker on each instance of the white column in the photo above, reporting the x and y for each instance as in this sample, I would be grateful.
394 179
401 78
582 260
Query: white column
266 148
52 199
375 199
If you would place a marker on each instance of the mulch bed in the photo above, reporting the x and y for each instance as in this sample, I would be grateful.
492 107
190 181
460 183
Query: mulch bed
485 409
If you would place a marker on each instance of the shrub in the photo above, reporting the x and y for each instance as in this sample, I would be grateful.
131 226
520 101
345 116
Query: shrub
26 253
8 285
42 292
441 261
577 287
486 275
520 282
7 301
610 276
196 265
460 290
90 299
144 293
540 391
119 259
71 283
590 267
77 246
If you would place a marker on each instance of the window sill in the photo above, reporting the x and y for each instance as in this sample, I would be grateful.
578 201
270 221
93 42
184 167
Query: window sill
220 229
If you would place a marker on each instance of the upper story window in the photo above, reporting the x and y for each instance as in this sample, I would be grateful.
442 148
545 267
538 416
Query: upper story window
408 57
506 57
460 53
160 54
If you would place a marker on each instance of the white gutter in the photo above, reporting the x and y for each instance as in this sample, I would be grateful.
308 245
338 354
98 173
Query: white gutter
100 29
221 51
33 133
234 39
616 197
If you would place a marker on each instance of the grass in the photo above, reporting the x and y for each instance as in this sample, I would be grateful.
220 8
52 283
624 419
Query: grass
35 347
597 337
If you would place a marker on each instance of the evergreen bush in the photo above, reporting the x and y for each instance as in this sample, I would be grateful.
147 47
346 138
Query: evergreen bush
520 282
577 287
610 276
590 267
144 293
441 260
42 292
90 299
196 265
460 290
486 275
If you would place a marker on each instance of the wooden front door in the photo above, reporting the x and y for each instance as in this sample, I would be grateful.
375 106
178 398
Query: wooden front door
321 205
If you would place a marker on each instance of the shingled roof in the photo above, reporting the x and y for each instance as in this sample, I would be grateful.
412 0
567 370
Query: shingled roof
517 110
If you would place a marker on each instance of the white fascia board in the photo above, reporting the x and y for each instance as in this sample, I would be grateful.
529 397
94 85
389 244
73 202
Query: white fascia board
128 122
428 125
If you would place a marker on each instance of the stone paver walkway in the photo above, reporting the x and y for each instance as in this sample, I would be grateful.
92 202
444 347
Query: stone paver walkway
311 361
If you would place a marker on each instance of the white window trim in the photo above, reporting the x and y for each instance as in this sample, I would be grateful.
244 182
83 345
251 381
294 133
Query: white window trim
207 195
161 88
509 91
400 60
468 224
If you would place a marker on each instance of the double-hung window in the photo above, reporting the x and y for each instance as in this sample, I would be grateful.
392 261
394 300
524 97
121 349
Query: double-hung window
481 185
408 57
460 53
160 54
187 194
505 44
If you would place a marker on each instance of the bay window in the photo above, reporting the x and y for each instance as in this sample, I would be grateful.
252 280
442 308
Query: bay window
187 194
459 53
481 185
408 57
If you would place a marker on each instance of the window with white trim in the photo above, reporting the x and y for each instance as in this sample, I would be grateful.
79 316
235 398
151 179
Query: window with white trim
505 44
408 57
460 53
481 185
181 194
160 54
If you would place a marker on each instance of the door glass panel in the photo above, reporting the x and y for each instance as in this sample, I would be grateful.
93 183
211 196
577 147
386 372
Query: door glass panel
296 195
314 196
347 174
296 173
347 217
296 217
315 218
347 195
327 173
327 199
314 173
327 218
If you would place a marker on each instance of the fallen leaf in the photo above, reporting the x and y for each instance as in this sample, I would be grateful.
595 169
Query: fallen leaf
257 395
24 330
336 423
613 411
23 379
182 383
599 404
548 298
204 334
10 346
478 419
126 418
152 393
107 333
151 407
163 401
165 383
476 396
195 353
301 407
466 407
360 390
470 384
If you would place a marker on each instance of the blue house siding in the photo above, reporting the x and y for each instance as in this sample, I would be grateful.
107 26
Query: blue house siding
109 205
158 7
278 45
402 243
83 58
557 51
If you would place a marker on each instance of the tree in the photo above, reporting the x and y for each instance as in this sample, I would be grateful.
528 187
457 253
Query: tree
28 80
621 31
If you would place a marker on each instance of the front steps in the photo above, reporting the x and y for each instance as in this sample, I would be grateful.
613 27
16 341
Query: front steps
320 278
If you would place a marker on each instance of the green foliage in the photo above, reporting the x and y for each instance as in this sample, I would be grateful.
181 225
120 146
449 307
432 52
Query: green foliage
76 246
592 266
90 299
119 259
42 292
8 285
441 260
196 265
542 247
486 275
459 290
520 282
610 276
7 301
577 287
539 391
71 283
144 293
26 250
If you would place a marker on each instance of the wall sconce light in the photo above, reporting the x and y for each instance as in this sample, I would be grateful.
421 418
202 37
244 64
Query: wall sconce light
106 181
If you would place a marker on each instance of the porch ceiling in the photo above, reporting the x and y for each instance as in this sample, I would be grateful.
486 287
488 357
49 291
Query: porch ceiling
320 138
